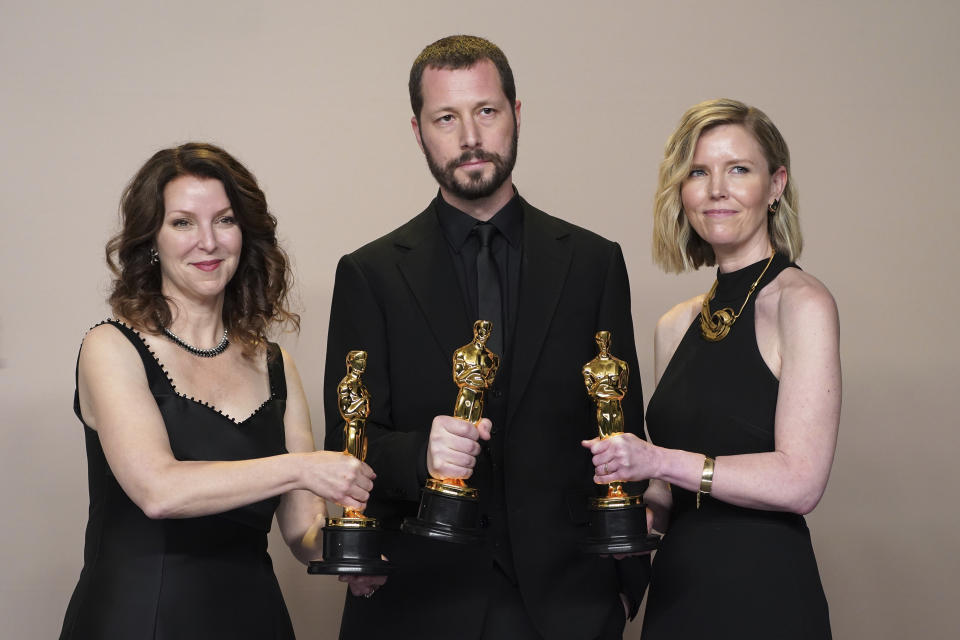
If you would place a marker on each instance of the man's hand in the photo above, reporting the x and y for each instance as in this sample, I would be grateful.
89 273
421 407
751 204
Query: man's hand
453 447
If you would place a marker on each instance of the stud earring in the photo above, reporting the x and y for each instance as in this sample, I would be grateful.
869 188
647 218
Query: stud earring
773 207
154 256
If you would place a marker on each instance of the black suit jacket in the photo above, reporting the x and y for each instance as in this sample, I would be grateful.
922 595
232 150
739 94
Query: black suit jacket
398 298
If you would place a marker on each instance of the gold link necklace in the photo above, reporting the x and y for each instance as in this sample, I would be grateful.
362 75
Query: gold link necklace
715 326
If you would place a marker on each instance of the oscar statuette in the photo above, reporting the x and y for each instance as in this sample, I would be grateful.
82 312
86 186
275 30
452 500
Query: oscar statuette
449 509
618 521
351 543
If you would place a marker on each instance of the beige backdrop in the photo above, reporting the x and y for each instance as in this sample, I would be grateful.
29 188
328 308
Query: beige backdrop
312 97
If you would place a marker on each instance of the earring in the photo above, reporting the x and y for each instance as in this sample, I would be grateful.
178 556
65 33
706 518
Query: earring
773 207
154 256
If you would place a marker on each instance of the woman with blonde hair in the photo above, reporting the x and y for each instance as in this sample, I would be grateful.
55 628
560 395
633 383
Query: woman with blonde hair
743 422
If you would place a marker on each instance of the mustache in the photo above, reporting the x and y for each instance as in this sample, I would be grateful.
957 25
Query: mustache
475 154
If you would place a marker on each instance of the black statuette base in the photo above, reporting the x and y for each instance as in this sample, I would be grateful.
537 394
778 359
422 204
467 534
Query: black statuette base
446 518
351 551
619 530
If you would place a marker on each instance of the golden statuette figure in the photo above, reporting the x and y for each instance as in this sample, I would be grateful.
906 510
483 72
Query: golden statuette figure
353 400
606 379
449 509
351 543
618 522
474 369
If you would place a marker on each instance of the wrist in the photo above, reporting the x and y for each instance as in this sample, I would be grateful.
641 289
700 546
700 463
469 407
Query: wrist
681 469
298 470
662 463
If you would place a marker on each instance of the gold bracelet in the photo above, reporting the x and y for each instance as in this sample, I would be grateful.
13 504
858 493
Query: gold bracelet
706 478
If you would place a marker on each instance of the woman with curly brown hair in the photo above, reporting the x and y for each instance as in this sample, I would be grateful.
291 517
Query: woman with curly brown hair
197 427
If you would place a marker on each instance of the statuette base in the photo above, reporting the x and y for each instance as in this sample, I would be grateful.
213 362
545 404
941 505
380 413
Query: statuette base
619 525
351 546
446 515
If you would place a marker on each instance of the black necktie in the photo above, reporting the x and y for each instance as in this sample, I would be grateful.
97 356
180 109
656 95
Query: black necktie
489 292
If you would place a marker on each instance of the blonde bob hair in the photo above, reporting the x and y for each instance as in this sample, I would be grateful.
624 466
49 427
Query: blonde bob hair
676 246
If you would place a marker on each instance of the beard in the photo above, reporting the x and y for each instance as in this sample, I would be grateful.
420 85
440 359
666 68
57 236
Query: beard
475 186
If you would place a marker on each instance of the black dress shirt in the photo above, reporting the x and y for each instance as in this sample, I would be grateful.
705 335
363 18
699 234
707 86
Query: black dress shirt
507 248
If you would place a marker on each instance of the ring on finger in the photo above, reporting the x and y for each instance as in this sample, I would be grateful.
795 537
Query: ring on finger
604 469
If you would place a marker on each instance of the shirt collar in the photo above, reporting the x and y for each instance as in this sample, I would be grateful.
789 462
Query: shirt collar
457 225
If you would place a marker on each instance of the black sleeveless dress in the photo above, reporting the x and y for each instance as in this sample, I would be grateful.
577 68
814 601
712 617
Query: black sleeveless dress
191 578
724 571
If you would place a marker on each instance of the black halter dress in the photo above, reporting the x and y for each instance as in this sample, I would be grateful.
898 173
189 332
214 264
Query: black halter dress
724 571
191 578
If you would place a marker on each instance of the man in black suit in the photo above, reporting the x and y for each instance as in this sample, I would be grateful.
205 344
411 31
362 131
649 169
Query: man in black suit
410 300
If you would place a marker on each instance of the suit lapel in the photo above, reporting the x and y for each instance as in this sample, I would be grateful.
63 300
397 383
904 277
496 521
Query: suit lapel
428 269
546 262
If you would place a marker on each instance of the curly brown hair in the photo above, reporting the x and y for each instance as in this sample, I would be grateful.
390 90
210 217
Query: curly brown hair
255 297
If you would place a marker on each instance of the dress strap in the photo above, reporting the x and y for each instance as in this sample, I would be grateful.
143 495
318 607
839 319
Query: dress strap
275 372
156 376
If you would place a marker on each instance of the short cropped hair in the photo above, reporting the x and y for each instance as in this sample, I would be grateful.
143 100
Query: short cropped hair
459 52
256 295
676 246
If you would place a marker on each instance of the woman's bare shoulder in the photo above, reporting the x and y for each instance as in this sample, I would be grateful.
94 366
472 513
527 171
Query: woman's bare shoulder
105 344
798 292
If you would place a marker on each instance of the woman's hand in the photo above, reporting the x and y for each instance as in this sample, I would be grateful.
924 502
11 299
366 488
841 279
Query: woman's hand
623 458
364 586
338 477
